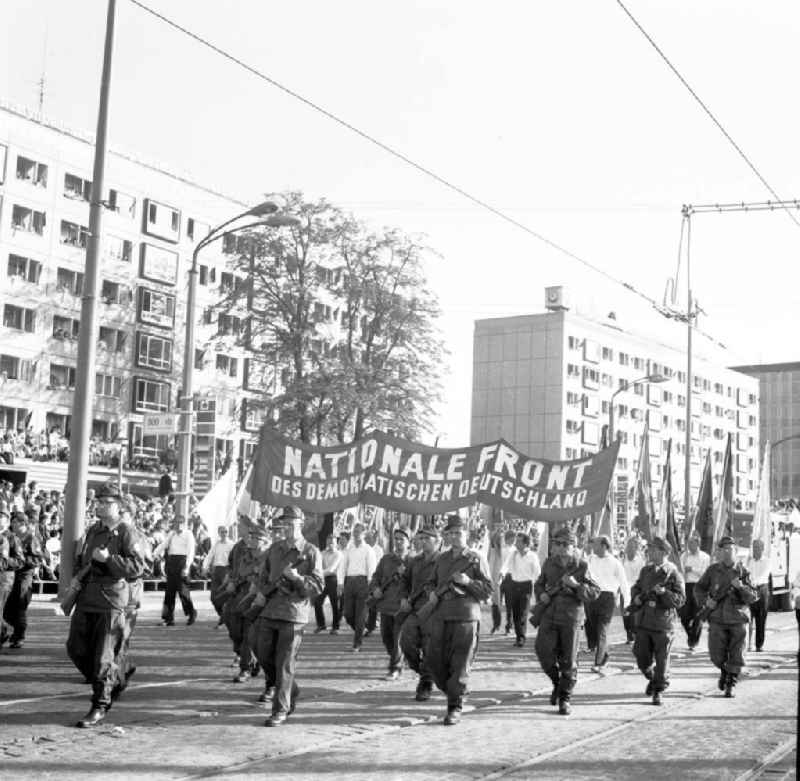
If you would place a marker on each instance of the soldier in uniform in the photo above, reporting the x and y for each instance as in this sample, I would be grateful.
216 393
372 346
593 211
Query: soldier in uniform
32 552
460 581
414 634
10 561
725 589
656 596
136 586
291 579
387 589
108 558
562 587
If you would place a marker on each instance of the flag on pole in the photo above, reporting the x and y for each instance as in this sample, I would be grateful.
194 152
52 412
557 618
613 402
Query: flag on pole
703 522
723 512
601 521
643 489
762 525
216 506
667 511
665 498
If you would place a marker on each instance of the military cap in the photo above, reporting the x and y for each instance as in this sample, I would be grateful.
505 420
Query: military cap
454 523
110 490
726 541
661 544
566 536
401 531
290 513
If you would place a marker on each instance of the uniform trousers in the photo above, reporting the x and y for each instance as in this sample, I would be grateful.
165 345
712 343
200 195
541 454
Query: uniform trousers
414 638
215 588
390 635
6 586
355 605
687 613
726 643
176 585
758 610
557 650
276 644
15 612
451 648
651 649
93 644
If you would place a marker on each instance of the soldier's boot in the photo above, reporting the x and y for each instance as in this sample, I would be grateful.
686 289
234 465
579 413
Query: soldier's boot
92 718
730 684
723 679
497 618
552 674
423 691
649 675
564 708
656 698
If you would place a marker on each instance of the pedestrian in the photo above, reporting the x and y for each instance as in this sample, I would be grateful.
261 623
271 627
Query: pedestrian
358 565
11 560
414 633
371 623
607 571
178 551
387 588
215 564
290 580
331 560
656 597
632 563
459 582
726 591
499 551
109 556
562 587
523 567
760 569
694 563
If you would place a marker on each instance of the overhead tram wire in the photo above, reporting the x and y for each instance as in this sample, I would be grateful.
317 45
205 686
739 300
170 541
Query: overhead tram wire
707 110
395 153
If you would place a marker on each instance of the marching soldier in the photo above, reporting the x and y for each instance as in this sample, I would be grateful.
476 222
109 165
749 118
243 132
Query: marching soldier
387 590
656 596
136 585
414 634
460 581
291 579
108 558
725 591
562 588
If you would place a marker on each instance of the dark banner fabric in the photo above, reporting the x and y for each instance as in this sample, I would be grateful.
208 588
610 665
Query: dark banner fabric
396 474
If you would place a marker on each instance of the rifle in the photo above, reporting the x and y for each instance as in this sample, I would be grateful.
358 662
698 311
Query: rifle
539 609
371 600
426 611
647 596
75 588
720 594
251 612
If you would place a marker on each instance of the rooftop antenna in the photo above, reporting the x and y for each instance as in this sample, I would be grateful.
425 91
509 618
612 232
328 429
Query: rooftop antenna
43 80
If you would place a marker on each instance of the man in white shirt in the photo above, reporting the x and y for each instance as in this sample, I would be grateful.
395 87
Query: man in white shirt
694 562
331 561
356 569
632 563
216 564
760 569
524 568
606 571
178 550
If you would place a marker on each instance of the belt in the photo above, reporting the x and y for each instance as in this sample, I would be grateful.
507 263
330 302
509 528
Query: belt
355 576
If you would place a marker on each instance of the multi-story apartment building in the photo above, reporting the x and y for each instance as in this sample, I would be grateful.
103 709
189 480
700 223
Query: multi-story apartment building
152 221
779 413
545 383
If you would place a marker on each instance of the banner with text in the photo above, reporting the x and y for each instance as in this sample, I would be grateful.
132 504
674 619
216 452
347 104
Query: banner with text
400 475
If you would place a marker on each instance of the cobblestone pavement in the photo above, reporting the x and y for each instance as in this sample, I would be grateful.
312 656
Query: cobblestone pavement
183 718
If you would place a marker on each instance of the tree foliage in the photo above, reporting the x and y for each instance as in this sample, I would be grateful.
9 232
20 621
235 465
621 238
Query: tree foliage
343 323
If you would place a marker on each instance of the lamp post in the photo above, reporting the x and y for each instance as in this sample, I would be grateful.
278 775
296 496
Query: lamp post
647 379
266 211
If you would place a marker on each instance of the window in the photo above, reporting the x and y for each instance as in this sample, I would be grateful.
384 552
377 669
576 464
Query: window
719 389
624 359
31 171
62 377
680 424
665 421
65 327
229 283
74 235
654 395
203 275
706 408
607 354
150 396
570 453
19 318
591 377
69 281
719 412
196 229
3 156
114 340
682 377
122 204
623 410
24 268
573 427
13 418
622 436
607 380
573 370
77 188
107 385
28 220
233 244
254 415
199 359
590 433
574 399
229 325
227 365
162 220
604 407
115 293
638 389
591 351
681 400
156 308
573 343
667 397
158 264
117 249
153 352
591 406
13 368
638 363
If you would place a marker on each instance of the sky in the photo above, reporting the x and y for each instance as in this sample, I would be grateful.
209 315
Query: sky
561 115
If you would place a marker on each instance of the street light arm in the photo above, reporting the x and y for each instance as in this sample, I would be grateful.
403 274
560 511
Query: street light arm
215 232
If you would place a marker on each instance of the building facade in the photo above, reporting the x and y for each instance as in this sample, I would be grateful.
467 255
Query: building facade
545 383
779 392
151 224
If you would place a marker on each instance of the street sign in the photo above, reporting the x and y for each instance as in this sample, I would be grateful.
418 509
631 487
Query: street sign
163 423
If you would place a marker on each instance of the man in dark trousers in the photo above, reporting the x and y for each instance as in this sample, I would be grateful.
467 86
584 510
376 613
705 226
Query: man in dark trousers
109 556
726 589
414 633
522 566
331 561
178 551
358 564
563 587
10 561
657 595
290 580
387 589
460 581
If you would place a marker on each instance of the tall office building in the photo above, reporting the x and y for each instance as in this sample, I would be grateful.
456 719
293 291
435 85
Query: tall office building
545 383
779 413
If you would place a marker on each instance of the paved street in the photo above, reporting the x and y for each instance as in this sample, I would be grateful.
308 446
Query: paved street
183 718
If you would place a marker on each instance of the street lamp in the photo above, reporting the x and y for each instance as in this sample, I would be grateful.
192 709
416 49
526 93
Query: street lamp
265 210
647 379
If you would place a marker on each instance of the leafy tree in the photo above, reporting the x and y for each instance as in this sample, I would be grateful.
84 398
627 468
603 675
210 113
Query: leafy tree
344 323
